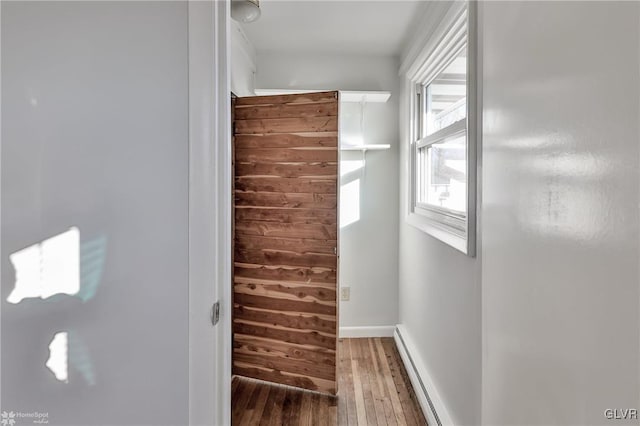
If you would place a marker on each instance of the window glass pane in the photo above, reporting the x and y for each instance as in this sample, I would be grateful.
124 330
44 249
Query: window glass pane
446 97
444 174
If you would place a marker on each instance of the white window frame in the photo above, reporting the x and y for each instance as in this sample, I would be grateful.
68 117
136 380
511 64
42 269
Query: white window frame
456 30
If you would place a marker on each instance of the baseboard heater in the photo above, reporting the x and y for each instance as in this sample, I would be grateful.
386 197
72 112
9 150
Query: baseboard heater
425 392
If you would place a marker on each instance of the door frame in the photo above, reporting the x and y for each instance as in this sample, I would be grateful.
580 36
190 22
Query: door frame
209 212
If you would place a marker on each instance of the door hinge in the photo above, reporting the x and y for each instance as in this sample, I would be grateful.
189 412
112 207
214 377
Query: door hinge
335 251
215 313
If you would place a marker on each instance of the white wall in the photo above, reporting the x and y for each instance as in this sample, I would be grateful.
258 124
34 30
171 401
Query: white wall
560 215
368 246
439 304
95 135
243 62
551 303
439 289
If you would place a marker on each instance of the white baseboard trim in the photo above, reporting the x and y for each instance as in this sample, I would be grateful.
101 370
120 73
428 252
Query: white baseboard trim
432 405
374 331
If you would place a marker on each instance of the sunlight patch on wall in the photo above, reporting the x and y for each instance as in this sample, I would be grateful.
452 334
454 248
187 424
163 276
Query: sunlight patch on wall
58 356
349 203
48 268
350 166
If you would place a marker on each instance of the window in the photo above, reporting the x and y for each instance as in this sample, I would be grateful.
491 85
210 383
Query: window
444 133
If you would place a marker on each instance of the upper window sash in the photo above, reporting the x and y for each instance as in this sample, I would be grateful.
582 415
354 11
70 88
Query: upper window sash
445 50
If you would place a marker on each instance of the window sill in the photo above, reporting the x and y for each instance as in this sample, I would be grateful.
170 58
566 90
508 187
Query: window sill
438 231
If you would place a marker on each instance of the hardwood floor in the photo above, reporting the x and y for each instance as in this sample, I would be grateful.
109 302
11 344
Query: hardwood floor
373 390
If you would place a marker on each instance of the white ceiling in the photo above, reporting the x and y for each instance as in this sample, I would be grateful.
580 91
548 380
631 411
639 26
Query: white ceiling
332 26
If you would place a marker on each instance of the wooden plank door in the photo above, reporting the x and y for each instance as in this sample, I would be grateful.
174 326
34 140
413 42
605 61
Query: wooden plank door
286 237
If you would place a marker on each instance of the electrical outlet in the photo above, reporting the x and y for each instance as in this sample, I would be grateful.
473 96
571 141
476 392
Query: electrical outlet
345 293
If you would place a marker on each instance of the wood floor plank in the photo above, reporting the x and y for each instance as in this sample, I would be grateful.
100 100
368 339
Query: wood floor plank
374 389
294 415
325 412
258 409
305 409
389 413
287 406
343 419
316 410
242 401
374 384
234 388
276 414
407 396
387 407
268 408
365 373
352 414
393 394
361 410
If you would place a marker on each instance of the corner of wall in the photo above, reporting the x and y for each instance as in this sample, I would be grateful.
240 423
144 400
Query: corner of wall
439 295
243 62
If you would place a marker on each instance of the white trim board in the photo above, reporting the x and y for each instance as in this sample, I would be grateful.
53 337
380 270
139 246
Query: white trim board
373 331
430 401
209 212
